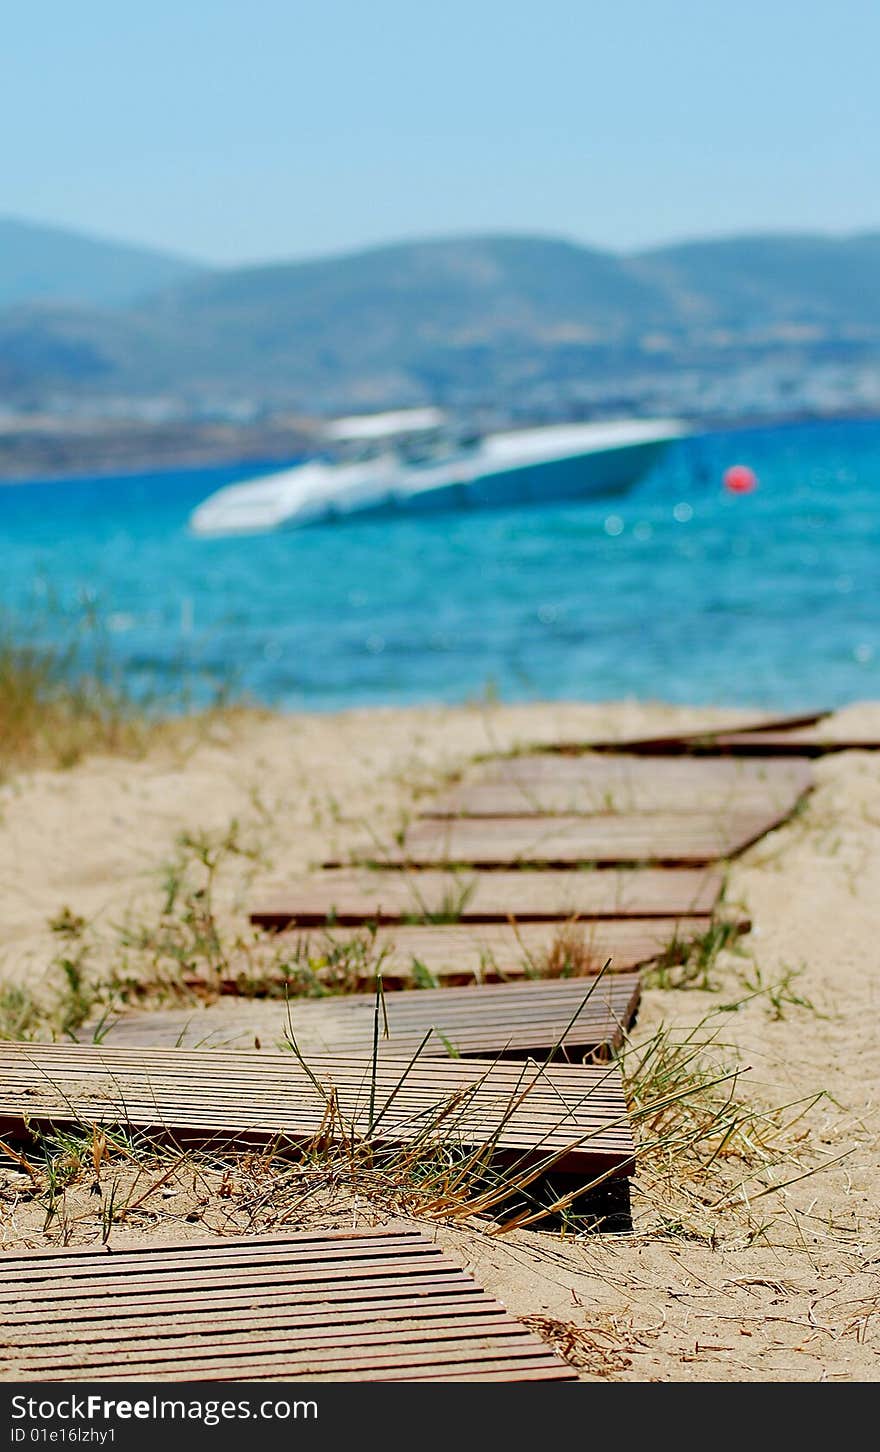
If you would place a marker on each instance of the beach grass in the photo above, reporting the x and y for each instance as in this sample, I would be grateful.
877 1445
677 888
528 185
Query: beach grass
63 697
54 708
689 961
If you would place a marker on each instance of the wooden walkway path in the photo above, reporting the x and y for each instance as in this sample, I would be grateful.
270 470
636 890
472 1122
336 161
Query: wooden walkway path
683 740
513 1020
370 1305
621 858
787 736
572 1119
810 741
458 955
675 839
352 896
543 785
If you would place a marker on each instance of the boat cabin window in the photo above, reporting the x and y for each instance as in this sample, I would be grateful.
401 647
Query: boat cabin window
410 449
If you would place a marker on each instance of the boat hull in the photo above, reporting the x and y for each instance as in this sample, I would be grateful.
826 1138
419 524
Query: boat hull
532 468
555 480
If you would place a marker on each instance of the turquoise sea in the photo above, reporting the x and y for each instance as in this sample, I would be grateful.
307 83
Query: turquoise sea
676 591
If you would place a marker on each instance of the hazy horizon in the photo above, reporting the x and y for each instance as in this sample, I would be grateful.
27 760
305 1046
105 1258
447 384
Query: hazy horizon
459 233
239 137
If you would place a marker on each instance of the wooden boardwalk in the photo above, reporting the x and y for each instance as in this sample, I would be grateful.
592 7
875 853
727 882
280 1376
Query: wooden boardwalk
674 839
458 955
683 740
572 1119
786 737
586 856
812 741
369 1305
513 1020
543 784
352 896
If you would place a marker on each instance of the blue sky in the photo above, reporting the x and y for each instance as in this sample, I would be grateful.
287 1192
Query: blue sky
245 131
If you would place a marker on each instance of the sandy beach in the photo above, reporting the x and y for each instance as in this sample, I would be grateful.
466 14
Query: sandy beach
785 1285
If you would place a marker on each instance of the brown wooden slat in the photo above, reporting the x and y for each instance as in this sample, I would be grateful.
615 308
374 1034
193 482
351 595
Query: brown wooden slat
509 1019
780 745
325 1250
462 1366
225 1283
584 785
682 740
809 742
462 955
532 1113
126 1324
221 1283
63 1320
356 1288
151 1267
726 773
392 1346
489 1374
351 895
673 838
410 1330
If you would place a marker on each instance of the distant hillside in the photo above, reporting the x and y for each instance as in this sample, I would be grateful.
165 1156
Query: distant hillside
404 321
50 264
462 290
806 280
470 319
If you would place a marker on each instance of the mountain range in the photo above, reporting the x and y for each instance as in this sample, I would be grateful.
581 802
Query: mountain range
446 320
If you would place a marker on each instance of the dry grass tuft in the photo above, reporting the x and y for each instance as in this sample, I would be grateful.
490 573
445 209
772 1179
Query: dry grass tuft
571 954
709 1149
690 962
54 709
600 1350
62 702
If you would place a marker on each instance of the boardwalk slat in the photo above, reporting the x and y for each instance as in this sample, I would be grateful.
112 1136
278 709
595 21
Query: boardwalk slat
455 1331
72 1326
510 1019
682 740
671 838
221 1098
64 1317
808 742
476 953
778 744
543 784
350 896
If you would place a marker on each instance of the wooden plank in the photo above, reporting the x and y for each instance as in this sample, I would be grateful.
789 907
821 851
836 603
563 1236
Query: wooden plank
351 896
457 955
513 1020
421 1317
676 741
571 1118
543 784
674 839
768 744
808 742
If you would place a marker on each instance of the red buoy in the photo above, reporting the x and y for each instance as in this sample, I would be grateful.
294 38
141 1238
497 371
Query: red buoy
740 479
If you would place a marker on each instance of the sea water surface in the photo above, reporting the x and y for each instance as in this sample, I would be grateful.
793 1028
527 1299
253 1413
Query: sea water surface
677 591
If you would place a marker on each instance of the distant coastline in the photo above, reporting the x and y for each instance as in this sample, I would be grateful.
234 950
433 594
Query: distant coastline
45 449
119 361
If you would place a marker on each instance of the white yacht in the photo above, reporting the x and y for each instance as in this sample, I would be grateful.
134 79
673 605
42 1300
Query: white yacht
415 460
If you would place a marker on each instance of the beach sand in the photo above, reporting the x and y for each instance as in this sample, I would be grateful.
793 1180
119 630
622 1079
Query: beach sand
789 1288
